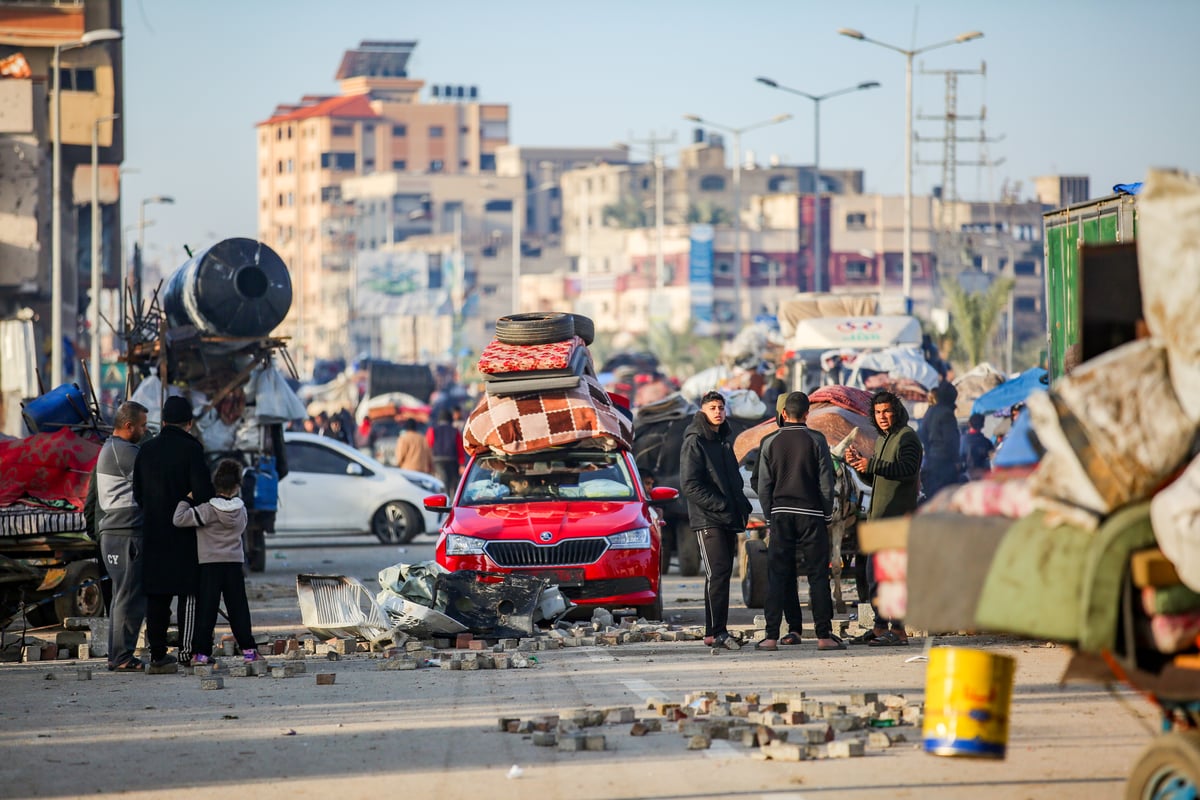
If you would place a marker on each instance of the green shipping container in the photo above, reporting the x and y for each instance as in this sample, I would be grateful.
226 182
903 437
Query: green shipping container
1107 220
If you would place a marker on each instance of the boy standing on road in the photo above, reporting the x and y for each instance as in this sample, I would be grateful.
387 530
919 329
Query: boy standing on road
219 526
795 487
717 509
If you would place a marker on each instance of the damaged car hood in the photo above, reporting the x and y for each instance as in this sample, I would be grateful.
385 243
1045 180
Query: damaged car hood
562 520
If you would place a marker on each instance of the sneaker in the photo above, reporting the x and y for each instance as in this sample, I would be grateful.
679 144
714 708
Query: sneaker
201 660
165 661
250 656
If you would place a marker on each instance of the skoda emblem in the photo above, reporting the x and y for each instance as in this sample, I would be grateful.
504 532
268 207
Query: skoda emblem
546 536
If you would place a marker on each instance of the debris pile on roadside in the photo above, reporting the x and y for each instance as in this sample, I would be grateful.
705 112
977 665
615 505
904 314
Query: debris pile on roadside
781 727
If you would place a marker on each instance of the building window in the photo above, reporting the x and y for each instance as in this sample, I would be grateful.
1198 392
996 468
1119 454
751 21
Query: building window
724 268
291 199
857 270
464 130
400 165
977 262
343 130
1027 305
278 134
464 164
291 165
1025 267
278 167
436 131
487 162
337 161
645 183
856 221
712 183
493 129
399 131
437 165
77 79
279 200
779 183
498 206
289 131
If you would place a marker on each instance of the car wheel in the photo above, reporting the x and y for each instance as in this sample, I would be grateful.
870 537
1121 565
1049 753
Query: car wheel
396 523
687 549
652 612
1169 767
535 328
754 581
584 328
82 594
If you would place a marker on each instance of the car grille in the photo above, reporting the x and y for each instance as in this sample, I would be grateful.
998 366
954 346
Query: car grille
563 554
610 587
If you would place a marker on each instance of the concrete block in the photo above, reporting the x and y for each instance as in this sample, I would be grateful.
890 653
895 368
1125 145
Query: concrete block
845 749
593 718
699 742
333 655
294 655
212 683
510 644
587 641
239 671
520 662
639 729
228 646
841 723
70 639
572 743
392 664
862 698
545 739
476 644
815 733
878 740
621 714
257 668
894 700
83 674
203 670
866 615
548 722
781 751
281 672
292 643
84 652
49 652
64 654
450 663
594 742
326 678
501 661
165 669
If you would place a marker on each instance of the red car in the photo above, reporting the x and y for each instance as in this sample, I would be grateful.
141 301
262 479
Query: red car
580 518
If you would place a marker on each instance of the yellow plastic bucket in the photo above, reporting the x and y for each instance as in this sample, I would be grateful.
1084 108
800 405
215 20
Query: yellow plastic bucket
967 698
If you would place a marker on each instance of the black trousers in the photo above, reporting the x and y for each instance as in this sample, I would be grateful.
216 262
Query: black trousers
447 471
158 618
217 581
122 556
717 550
793 534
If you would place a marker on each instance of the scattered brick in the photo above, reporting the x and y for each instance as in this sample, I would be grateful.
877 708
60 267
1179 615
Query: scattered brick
212 683
83 674
846 749
326 678
699 742
545 739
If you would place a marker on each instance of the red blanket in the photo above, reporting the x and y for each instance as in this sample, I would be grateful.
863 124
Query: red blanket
47 466
527 422
498 358
847 397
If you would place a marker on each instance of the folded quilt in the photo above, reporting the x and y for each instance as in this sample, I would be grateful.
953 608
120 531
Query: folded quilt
499 358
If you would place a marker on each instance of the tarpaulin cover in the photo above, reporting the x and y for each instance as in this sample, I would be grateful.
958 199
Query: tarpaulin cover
1017 449
809 306
972 385
900 363
47 466
1011 392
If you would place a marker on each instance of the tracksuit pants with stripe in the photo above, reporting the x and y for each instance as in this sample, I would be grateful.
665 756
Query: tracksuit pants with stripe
718 548
158 618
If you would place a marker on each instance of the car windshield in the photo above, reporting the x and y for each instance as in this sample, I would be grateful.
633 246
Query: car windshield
587 476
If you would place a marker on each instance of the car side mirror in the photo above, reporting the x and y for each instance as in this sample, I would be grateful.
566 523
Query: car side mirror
437 502
354 468
661 495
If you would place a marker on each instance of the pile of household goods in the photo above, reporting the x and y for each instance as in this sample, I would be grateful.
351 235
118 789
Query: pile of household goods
542 391
838 412
1046 551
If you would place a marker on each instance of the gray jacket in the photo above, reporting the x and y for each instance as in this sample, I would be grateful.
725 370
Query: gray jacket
219 524
110 507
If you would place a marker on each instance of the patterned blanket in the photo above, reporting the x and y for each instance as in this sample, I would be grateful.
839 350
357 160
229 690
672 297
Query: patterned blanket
847 397
498 358
527 422
47 466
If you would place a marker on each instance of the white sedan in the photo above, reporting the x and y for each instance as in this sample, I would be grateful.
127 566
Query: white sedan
333 488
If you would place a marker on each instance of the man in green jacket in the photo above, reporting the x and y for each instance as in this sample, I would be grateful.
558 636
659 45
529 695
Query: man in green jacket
895 472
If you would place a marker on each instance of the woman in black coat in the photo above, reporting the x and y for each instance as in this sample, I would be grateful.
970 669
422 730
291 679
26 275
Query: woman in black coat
940 438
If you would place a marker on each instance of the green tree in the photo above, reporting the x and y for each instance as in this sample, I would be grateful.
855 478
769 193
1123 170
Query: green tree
626 213
974 317
680 354
707 212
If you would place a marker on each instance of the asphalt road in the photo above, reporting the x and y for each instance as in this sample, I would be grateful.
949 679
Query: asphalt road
432 733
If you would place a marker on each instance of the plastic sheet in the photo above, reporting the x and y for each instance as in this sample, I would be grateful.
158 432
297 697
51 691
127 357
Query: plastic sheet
274 399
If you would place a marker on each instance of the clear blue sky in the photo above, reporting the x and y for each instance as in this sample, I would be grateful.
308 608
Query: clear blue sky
1103 88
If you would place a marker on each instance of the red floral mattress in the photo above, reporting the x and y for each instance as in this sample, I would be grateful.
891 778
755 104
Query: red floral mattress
524 423
498 358
47 466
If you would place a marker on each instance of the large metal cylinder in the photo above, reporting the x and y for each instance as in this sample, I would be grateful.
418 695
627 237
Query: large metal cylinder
236 287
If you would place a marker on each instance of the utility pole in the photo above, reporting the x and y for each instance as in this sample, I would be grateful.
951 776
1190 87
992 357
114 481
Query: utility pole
652 142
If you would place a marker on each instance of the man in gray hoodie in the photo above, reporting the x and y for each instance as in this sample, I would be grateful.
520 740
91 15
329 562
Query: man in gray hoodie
116 519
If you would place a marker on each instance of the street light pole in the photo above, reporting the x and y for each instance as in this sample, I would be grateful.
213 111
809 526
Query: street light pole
56 286
908 136
94 305
737 195
517 211
818 261
141 246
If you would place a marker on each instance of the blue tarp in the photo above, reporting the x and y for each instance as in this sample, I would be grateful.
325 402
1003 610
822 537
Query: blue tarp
1127 188
1017 450
1011 392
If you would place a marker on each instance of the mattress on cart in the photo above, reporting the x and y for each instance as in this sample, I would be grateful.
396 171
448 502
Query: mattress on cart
21 519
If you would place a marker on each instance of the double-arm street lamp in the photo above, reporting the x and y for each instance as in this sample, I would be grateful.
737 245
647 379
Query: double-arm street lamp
737 199
908 137
94 305
817 261
56 285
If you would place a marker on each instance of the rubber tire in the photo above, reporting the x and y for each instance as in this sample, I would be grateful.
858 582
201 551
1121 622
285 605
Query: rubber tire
687 550
1175 755
256 549
584 328
652 612
754 582
87 601
383 523
538 327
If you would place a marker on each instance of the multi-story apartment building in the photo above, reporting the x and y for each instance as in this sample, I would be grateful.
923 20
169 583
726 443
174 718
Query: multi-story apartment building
1057 191
90 94
379 122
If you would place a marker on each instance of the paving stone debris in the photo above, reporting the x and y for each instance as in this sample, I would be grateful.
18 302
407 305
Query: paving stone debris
326 678
212 683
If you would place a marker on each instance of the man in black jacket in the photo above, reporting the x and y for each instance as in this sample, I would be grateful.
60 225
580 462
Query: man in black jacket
940 440
169 468
795 487
717 509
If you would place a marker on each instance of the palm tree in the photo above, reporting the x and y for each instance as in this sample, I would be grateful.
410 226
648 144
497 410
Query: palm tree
974 316
626 213
707 212
679 353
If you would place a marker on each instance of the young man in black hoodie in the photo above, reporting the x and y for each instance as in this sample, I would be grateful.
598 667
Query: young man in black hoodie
717 509
795 487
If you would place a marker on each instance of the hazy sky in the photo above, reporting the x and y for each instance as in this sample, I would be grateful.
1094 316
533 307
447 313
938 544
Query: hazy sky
1103 88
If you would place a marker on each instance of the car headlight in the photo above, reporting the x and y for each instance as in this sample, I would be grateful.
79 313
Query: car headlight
429 484
459 545
636 539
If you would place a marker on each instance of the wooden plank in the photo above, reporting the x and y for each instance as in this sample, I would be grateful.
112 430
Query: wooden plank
1151 568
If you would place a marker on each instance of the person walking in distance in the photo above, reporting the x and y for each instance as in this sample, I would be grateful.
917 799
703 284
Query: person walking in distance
169 467
445 440
219 526
940 442
717 509
115 517
412 451
795 487
894 471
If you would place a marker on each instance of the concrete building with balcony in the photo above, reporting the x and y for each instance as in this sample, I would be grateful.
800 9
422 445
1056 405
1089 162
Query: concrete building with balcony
381 121
90 91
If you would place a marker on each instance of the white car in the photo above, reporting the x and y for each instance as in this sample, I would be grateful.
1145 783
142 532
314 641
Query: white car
333 488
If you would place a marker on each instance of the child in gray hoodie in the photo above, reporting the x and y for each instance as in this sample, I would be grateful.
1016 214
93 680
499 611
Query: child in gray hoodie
220 523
